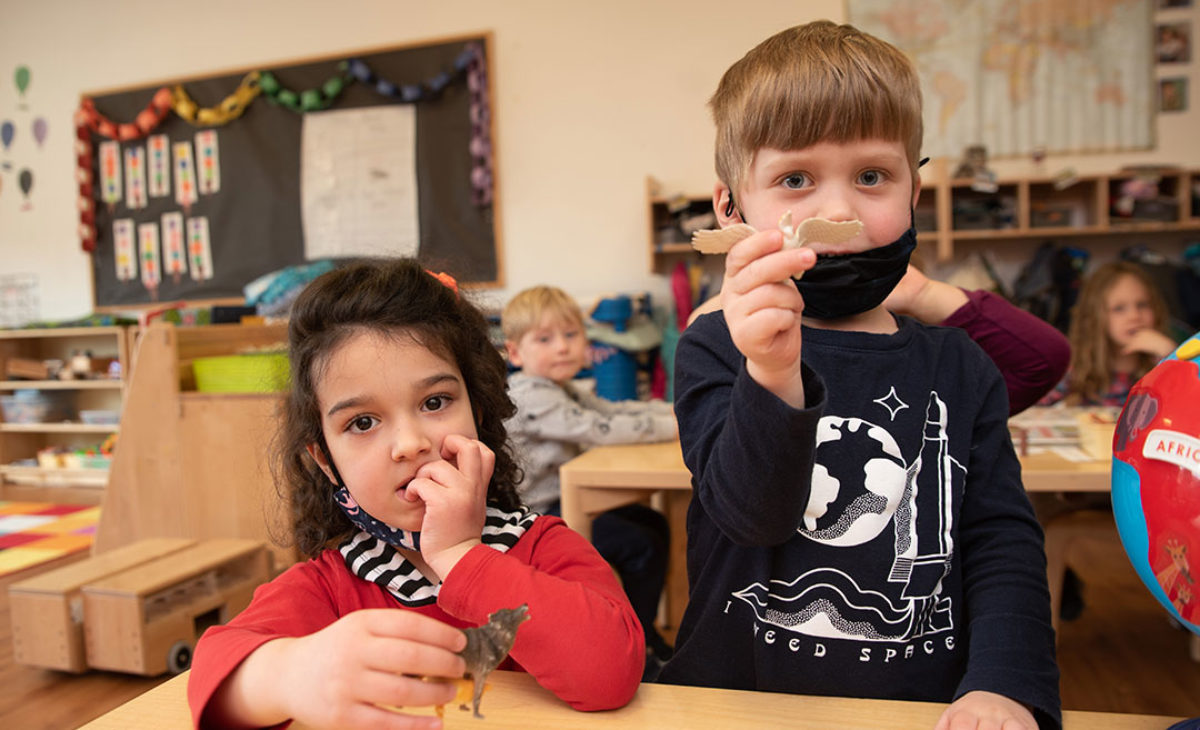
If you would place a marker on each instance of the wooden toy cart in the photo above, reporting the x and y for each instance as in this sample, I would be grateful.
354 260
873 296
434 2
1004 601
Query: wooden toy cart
47 610
146 620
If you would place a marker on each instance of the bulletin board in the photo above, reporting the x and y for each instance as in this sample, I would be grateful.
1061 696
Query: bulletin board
254 221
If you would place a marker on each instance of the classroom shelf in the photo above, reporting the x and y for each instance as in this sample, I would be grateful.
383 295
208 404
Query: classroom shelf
21 442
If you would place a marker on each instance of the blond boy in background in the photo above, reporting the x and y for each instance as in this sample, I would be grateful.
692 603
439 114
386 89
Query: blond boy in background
545 337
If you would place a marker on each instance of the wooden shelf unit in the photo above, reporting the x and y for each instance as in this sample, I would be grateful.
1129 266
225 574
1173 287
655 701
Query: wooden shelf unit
20 442
191 464
1022 208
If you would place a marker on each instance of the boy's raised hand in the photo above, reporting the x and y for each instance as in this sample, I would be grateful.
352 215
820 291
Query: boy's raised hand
762 309
348 673
454 490
981 710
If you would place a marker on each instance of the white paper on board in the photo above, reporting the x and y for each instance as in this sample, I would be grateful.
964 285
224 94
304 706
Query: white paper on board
358 186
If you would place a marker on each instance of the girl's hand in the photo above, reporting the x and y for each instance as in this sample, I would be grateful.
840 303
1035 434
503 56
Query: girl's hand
1151 342
454 490
989 710
342 675
762 309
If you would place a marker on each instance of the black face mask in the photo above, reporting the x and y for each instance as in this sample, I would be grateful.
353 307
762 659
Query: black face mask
852 283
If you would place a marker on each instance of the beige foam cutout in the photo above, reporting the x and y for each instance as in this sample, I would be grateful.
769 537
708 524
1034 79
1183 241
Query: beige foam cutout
810 230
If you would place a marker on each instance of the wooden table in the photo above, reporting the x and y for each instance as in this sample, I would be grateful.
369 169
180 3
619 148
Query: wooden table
607 477
514 700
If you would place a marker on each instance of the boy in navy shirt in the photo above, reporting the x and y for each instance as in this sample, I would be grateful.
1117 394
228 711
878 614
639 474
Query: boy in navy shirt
859 526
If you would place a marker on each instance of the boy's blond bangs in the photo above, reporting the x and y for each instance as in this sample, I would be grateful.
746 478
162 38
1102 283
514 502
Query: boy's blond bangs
815 83
527 309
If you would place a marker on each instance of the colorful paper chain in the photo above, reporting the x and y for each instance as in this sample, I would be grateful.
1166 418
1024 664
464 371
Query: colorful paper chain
310 100
83 175
146 121
409 93
481 128
230 108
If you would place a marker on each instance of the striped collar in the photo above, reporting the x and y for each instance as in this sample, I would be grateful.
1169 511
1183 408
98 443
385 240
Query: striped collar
376 561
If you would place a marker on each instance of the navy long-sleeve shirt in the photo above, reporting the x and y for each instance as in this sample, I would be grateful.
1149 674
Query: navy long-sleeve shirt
877 543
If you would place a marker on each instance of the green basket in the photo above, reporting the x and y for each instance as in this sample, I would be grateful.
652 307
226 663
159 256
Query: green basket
250 373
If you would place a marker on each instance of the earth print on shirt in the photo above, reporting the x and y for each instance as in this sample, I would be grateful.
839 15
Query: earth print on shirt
872 494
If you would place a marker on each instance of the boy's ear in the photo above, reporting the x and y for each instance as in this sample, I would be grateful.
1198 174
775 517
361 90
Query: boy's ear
916 192
514 356
727 215
319 457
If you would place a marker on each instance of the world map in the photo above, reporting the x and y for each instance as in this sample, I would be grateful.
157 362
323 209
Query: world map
1021 75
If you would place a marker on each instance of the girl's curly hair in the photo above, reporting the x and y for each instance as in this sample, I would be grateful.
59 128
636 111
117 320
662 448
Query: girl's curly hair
397 297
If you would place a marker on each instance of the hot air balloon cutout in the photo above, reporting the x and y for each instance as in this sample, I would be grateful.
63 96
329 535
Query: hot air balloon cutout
8 130
135 177
22 77
209 162
159 165
123 249
40 129
174 248
199 249
148 254
25 180
185 175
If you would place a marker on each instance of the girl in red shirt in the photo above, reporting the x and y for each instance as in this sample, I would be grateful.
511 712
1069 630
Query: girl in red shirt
401 488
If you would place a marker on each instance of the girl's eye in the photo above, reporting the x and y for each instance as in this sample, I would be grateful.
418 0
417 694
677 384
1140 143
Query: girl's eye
435 403
870 178
796 181
360 424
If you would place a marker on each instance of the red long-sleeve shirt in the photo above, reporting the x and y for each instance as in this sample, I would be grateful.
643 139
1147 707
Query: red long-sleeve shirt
582 642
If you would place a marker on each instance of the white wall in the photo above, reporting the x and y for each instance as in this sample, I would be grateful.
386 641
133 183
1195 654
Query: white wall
590 98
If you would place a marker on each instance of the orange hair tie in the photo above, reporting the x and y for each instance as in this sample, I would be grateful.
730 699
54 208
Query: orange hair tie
446 279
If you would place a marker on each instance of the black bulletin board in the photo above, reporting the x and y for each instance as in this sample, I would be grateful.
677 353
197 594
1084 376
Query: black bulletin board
255 220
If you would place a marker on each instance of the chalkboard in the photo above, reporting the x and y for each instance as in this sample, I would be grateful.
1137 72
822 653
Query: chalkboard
254 220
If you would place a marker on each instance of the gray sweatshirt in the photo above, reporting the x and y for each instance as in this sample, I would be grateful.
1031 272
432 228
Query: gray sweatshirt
555 423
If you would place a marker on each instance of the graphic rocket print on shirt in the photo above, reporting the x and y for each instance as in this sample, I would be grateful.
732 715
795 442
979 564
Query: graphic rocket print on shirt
864 490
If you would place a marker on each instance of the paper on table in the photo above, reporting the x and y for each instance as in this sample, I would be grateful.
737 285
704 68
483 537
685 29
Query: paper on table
358 182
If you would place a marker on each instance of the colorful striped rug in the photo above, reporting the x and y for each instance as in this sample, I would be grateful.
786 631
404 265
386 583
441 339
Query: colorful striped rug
32 533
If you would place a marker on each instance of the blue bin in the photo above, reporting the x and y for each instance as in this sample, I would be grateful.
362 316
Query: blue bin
616 373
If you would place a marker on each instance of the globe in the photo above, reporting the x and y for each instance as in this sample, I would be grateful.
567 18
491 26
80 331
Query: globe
1156 481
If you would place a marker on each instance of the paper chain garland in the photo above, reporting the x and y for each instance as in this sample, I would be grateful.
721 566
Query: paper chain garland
410 93
481 128
309 100
89 120
230 108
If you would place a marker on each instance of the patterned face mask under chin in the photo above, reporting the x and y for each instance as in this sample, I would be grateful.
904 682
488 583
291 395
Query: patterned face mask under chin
362 519
373 527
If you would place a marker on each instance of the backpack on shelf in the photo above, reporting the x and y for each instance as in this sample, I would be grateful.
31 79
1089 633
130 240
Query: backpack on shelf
1049 284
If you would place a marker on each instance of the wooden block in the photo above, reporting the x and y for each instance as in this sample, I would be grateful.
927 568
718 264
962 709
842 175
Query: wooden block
17 368
146 620
47 609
